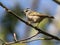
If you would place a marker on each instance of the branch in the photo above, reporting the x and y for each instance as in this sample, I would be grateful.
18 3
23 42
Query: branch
39 30
21 41
57 1
37 40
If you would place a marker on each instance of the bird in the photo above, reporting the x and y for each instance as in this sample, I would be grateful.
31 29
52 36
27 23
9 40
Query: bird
35 17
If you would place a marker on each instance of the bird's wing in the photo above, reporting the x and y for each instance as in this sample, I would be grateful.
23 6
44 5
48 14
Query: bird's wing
42 15
33 13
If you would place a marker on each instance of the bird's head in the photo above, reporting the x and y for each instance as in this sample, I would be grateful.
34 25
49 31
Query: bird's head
27 10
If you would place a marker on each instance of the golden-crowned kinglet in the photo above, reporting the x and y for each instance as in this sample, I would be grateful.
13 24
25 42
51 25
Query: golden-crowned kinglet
34 16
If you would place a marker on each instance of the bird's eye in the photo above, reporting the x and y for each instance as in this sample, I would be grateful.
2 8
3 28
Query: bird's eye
26 11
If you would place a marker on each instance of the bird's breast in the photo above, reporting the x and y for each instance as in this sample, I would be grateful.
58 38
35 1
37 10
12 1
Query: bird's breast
33 17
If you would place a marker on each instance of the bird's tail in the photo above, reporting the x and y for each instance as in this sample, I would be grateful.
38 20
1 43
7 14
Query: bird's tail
51 17
47 17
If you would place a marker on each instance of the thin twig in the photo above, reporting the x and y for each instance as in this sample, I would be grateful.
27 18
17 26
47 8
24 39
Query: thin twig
18 17
21 41
24 41
37 40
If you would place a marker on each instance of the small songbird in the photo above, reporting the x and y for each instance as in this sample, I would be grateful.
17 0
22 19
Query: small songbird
34 16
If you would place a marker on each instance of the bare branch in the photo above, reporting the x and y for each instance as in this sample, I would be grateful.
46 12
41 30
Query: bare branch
37 40
57 1
25 41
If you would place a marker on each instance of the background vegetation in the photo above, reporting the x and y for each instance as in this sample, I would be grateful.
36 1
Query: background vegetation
9 24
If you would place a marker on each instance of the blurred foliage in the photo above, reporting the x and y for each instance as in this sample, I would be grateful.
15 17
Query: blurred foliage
42 25
9 22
